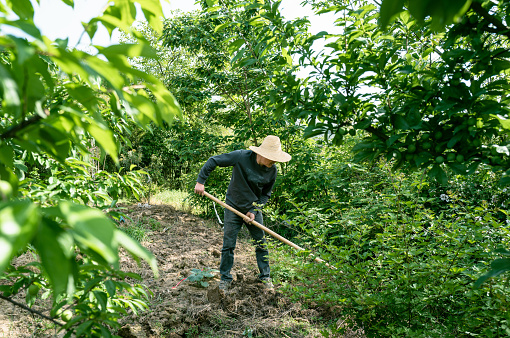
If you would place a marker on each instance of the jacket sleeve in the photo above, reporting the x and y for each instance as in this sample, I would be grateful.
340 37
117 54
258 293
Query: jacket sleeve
223 160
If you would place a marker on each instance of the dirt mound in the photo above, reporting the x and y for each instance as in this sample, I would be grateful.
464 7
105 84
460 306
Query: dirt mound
181 308
184 245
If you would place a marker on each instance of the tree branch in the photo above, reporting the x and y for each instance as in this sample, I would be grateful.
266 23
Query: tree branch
247 105
377 133
226 93
23 306
500 27
12 131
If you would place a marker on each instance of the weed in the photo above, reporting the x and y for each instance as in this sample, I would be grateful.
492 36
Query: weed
141 229
137 231
193 331
198 275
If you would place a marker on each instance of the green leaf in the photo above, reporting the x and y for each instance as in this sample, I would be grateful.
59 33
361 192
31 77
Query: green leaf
108 71
363 124
363 145
234 46
104 137
501 65
22 8
194 278
153 13
146 108
102 299
50 139
84 327
169 108
83 94
24 49
136 249
287 56
498 266
246 62
389 8
458 168
6 155
400 122
110 288
393 138
453 141
55 248
128 50
18 224
27 27
505 123
9 183
91 229
11 101
222 26
505 180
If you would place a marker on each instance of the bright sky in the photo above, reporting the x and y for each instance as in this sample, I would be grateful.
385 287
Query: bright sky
57 20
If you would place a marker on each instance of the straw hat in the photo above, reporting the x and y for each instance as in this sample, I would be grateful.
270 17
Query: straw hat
271 148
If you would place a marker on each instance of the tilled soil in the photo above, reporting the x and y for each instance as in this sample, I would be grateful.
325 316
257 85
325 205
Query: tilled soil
179 308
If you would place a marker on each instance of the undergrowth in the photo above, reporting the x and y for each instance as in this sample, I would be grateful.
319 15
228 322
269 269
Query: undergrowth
406 260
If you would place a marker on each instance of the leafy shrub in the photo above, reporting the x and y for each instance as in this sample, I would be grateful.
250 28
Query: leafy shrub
199 276
404 269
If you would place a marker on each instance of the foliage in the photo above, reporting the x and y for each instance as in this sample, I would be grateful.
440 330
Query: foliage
57 106
78 181
140 229
403 269
442 13
172 154
199 276
426 99
101 297
232 67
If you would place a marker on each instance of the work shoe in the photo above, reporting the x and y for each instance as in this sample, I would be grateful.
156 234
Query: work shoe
267 284
224 285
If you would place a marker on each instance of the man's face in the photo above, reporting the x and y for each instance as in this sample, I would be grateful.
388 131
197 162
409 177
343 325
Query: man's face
261 160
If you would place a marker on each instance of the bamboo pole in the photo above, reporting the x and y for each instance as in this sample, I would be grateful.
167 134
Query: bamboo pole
258 225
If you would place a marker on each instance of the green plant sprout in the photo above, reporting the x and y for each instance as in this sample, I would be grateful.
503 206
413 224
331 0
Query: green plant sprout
198 275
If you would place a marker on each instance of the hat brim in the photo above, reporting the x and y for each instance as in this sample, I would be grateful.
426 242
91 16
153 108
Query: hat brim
280 156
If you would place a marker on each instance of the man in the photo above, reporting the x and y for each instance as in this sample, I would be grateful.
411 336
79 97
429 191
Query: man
253 176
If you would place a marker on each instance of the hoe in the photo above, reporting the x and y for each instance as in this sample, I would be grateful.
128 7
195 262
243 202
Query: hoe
257 224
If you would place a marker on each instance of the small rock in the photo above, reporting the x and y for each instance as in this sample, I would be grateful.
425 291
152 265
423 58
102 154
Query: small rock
216 253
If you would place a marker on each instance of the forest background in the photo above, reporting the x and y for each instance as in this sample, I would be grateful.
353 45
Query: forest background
398 132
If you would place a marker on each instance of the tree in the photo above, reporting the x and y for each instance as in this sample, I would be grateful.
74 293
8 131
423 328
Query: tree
235 58
56 103
441 13
420 98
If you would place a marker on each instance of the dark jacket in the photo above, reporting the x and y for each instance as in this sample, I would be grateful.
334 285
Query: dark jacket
250 183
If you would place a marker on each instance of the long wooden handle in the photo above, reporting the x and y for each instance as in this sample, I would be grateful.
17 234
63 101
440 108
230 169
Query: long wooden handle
257 224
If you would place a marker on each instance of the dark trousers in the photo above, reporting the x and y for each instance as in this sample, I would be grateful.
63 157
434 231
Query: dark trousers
232 225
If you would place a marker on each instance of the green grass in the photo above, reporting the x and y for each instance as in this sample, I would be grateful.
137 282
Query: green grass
138 230
176 198
141 228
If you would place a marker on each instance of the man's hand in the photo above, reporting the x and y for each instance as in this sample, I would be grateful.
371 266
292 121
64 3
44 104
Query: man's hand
199 189
249 217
